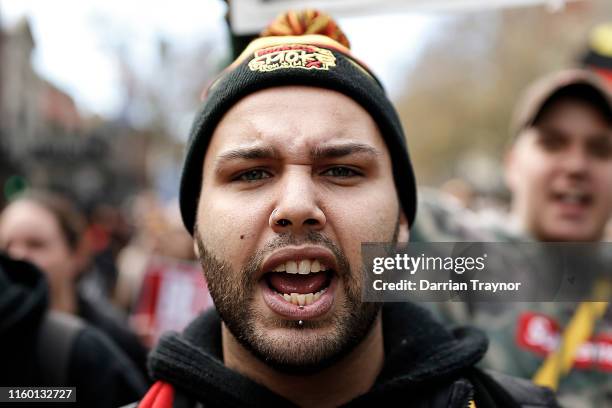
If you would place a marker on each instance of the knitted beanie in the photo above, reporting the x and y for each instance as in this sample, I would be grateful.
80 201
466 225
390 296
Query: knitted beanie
299 48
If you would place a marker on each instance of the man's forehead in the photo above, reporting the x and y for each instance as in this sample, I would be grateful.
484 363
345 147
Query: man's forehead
287 135
558 108
295 125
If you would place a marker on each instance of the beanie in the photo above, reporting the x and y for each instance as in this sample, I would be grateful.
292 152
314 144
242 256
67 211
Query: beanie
299 48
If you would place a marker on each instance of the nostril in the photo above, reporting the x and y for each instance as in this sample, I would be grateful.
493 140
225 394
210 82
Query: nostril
283 222
311 221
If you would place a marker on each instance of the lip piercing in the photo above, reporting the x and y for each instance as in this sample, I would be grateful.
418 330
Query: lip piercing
301 307
301 322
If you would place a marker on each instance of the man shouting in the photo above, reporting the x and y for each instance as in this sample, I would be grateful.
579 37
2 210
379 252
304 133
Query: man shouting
296 158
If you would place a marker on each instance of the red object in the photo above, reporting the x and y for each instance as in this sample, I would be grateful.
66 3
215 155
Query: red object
173 293
605 74
160 395
541 335
98 237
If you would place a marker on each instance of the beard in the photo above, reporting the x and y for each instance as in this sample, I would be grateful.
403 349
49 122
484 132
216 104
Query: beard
279 343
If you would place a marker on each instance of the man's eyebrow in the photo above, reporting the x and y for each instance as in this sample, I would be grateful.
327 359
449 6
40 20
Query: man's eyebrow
337 151
316 153
247 153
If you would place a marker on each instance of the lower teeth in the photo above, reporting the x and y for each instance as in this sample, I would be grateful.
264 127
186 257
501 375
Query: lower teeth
300 299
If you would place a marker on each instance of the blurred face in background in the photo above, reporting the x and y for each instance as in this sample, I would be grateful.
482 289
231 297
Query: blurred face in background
294 175
560 173
28 231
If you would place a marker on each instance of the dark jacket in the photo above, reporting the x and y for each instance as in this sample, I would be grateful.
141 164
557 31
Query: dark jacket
425 365
102 374
103 315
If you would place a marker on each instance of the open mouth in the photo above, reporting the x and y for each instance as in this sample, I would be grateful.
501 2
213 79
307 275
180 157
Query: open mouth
300 283
573 204
299 289
573 198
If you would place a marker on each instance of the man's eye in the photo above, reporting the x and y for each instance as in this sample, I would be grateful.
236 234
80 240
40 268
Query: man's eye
341 171
601 149
253 175
552 141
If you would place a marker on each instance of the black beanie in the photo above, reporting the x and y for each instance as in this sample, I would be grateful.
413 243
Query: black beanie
309 60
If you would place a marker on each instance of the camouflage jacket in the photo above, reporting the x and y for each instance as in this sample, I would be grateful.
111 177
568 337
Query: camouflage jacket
521 333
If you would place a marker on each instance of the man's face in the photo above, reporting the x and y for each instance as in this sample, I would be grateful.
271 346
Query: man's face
560 174
294 180
29 231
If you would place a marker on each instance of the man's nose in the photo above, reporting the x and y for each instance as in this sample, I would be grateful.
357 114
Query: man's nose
576 162
297 209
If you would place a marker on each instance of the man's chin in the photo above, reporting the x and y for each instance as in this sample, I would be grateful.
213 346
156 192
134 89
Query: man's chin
562 231
299 350
295 347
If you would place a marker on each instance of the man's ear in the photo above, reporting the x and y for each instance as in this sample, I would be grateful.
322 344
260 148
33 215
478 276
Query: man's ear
509 173
404 229
196 249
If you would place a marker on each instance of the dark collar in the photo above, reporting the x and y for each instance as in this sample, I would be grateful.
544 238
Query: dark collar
418 350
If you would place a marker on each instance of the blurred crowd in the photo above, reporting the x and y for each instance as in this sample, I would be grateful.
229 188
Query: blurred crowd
94 266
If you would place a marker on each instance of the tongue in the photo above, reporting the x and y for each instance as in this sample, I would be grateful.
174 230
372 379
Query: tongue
295 283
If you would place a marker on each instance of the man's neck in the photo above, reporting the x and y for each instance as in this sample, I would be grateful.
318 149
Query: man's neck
350 377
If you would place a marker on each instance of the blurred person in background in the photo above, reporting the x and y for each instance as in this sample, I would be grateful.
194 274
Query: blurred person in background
157 231
146 216
558 168
106 234
150 267
47 230
40 347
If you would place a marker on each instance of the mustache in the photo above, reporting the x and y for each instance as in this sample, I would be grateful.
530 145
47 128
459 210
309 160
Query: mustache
249 270
288 239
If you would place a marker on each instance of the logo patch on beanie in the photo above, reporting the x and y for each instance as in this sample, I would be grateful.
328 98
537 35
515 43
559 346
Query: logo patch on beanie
292 56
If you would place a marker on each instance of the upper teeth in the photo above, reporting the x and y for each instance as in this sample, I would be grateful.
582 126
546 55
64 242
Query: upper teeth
573 197
302 267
